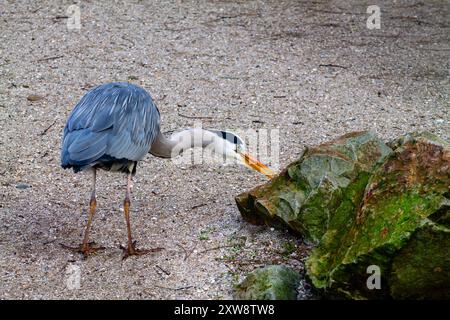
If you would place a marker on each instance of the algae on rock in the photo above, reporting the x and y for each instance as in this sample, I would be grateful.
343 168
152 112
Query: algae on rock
383 208
395 227
306 194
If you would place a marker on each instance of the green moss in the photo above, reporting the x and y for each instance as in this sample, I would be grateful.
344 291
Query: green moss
204 235
289 247
337 239
276 282
383 226
365 204
421 269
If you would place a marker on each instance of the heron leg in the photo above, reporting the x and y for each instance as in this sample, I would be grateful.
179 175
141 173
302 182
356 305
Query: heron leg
87 248
131 250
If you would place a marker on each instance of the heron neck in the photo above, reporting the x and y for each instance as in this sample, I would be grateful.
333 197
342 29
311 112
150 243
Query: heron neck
169 147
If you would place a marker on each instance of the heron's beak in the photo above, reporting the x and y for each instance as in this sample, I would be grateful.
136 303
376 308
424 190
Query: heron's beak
255 164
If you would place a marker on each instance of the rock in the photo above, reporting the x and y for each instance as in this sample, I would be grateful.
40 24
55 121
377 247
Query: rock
34 97
401 226
369 207
274 282
306 194
23 186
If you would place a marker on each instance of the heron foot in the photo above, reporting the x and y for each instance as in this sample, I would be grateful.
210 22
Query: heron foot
85 249
132 251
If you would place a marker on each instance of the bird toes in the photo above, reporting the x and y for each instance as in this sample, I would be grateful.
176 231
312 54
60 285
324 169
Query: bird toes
85 249
131 250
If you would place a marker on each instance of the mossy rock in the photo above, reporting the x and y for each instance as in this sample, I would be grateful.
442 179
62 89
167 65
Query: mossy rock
275 282
366 203
306 194
400 225
421 269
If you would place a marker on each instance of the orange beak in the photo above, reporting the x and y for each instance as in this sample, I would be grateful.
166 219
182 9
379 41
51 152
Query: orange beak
255 164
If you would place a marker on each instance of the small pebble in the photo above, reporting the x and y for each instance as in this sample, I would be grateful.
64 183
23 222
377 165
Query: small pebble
23 186
34 97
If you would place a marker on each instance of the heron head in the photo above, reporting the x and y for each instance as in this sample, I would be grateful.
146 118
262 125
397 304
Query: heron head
235 149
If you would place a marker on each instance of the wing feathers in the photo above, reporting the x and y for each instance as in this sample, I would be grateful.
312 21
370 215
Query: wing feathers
115 119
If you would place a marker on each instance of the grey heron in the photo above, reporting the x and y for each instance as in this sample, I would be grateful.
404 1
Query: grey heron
114 126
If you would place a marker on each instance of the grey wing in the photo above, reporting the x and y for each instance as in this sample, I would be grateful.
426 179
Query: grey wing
118 120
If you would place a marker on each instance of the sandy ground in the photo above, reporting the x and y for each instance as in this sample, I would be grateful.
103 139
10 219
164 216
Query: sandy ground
309 68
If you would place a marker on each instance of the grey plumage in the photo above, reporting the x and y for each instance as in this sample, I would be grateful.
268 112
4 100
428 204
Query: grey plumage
112 127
